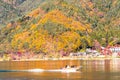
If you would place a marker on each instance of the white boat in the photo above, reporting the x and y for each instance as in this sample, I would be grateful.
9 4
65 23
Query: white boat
68 69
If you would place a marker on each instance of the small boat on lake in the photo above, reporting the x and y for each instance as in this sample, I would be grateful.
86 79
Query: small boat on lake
65 70
71 69
46 65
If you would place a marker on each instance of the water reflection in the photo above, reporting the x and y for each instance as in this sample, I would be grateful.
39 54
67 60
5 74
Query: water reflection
102 65
91 70
42 76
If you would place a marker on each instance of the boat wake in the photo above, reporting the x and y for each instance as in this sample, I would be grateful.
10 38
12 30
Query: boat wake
30 70
39 70
35 70
64 70
8 70
52 70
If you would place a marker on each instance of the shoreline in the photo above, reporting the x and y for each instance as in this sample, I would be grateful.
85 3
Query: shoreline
66 58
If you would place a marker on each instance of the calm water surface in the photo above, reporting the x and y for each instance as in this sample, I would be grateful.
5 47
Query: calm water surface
91 70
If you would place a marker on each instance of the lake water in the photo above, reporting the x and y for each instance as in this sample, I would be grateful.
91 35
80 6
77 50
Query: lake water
91 70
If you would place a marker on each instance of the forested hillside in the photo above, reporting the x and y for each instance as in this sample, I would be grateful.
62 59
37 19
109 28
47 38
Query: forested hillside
55 26
9 11
14 3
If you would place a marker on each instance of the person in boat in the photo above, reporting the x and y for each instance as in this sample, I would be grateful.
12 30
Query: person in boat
67 66
73 66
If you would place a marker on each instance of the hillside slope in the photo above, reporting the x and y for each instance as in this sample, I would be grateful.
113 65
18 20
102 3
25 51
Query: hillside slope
10 10
62 26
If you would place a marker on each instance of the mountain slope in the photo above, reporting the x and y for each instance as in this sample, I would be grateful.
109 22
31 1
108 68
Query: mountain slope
42 35
62 26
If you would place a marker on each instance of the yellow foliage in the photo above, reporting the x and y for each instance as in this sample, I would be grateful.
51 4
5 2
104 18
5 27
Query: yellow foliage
58 17
33 26
40 40
69 40
20 39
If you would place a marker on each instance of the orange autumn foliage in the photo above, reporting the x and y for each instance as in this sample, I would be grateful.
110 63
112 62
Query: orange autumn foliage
40 39
58 17
70 40
19 39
